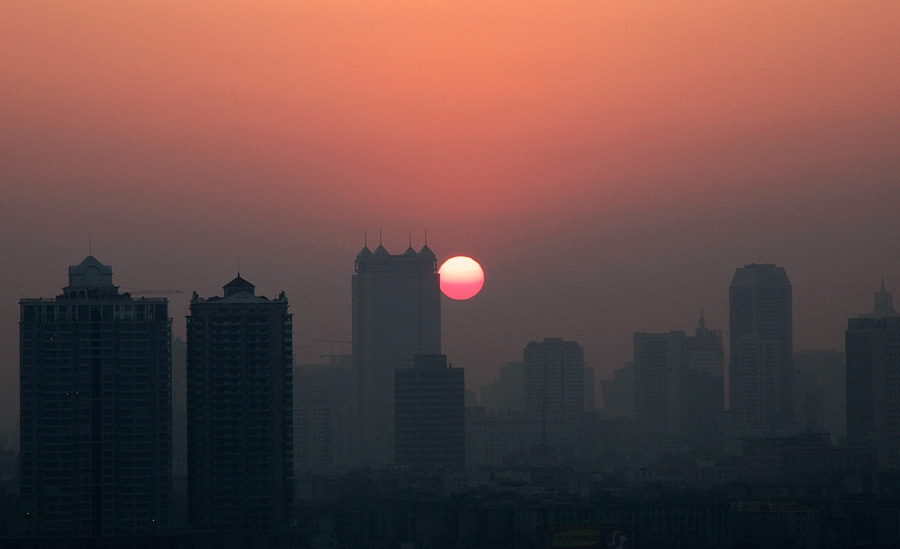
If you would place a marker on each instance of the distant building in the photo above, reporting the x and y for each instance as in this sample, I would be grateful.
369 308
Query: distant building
430 414
679 389
873 381
704 389
506 394
761 349
659 368
239 405
323 416
554 379
396 310
618 393
554 393
96 410
820 389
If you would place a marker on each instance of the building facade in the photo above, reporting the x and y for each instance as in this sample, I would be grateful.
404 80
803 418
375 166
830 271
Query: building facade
396 310
679 390
429 411
761 349
873 381
239 406
96 410
554 379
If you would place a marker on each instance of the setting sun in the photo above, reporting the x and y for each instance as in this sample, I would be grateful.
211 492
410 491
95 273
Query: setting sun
461 277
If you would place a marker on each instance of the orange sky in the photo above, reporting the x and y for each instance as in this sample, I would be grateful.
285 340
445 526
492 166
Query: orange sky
609 162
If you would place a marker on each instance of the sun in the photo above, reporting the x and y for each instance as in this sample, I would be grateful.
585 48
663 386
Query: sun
461 277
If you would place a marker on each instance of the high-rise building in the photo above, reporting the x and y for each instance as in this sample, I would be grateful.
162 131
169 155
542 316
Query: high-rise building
396 309
554 379
659 372
239 406
761 349
96 410
430 414
820 391
678 389
323 416
873 380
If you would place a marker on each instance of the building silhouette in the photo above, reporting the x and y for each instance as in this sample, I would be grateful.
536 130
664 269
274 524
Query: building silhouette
679 390
873 380
554 395
239 406
554 379
323 416
761 349
396 310
430 423
96 411
820 392
659 368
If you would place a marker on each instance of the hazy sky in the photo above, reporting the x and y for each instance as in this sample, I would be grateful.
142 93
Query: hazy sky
610 163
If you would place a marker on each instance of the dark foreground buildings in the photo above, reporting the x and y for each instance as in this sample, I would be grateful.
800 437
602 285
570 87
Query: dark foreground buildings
239 405
396 309
96 411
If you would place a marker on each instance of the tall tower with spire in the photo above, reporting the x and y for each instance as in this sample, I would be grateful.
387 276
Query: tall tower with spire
396 310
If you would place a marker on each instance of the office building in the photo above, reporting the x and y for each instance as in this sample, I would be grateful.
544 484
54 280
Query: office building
239 406
396 310
429 415
96 411
761 349
873 381
554 379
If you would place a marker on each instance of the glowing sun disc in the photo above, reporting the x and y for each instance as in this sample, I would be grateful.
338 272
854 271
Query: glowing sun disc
461 277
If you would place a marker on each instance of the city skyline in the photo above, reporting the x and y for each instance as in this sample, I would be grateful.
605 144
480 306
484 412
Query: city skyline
608 164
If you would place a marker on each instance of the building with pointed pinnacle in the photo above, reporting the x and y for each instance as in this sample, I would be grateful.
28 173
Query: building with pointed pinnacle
239 407
96 411
396 309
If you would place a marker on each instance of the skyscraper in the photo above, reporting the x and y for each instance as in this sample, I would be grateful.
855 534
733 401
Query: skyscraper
554 379
430 414
96 410
761 348
239 405
396 302
873 380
